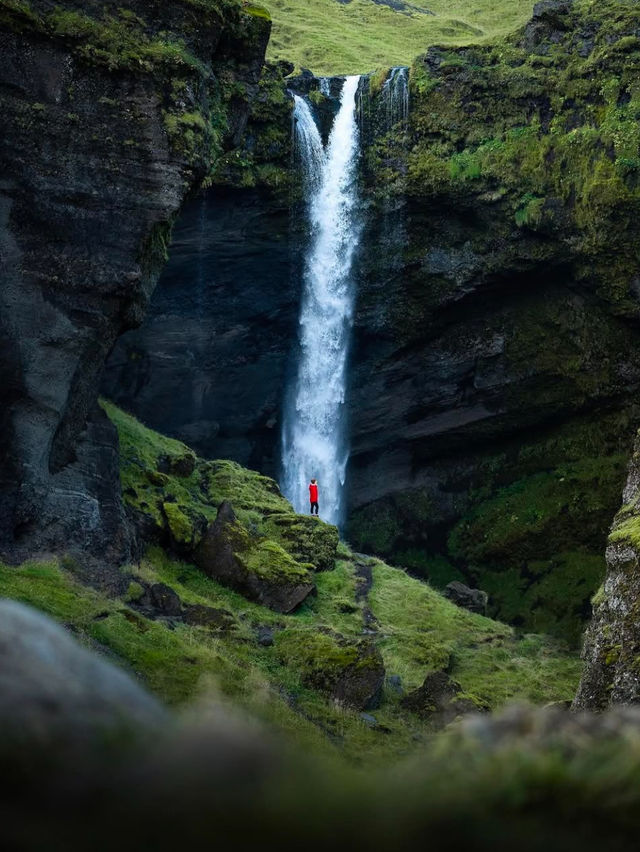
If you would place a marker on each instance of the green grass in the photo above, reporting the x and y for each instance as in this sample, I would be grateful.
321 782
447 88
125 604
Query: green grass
418 630
352 38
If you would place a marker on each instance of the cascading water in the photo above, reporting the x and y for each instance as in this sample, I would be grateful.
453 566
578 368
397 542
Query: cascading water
314 440
395 96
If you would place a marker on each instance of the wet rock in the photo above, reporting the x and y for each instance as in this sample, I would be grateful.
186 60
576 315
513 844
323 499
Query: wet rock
257 568
439 699
475 600
51 688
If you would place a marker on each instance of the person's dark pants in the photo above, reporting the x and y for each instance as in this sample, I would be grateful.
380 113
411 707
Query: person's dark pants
314 506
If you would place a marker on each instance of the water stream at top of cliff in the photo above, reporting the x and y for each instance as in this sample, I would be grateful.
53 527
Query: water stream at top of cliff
314 441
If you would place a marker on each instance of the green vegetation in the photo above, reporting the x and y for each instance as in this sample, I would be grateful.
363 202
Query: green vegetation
561 153
359 36
535 545
417 631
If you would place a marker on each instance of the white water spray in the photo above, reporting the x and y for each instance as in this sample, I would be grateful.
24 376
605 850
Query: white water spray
314 440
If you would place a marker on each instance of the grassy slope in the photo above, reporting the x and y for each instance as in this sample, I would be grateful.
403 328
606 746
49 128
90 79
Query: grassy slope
419 631
351 38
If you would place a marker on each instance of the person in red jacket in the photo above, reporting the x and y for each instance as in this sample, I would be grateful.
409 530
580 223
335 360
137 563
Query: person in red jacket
313 495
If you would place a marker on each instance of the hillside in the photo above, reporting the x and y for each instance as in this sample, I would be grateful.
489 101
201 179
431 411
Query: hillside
355 36
183 632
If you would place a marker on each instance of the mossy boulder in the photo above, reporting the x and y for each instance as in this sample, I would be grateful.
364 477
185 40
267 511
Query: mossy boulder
253 565
185 526
439 699
305 538
349 671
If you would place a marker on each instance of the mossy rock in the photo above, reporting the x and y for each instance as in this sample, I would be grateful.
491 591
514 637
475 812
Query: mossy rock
440 699
349 671
185 526
255 566
305 538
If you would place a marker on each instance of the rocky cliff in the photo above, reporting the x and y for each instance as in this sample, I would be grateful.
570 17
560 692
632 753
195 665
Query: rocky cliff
612 647
112 114
496 368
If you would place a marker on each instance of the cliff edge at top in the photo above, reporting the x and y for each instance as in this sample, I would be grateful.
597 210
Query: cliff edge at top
112 113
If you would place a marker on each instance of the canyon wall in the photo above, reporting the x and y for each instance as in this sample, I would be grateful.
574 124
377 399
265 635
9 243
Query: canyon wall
494 369
112 114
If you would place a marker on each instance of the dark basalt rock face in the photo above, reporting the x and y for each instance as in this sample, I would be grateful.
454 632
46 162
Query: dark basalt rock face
96 162
210 362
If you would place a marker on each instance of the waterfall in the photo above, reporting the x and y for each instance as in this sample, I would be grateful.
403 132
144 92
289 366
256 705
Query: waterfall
395 97
314 442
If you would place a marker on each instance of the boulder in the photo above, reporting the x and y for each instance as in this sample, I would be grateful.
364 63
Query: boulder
199 615
349 671
164 600
475 600
182 466
305 538
256 567
53 690
439 699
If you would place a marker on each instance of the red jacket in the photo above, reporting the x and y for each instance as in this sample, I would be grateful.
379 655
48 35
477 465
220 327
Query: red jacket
313 493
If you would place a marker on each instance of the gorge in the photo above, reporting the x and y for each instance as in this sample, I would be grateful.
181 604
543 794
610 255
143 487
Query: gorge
221 276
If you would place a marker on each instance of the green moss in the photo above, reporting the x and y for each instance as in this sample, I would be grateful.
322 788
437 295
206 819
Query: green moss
180 525
256 11
628 530
266 559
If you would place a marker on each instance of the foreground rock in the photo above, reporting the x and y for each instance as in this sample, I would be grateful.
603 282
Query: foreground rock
257 568
475 600
612 643
52 689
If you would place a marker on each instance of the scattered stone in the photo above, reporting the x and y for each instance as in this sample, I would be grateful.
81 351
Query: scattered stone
182 466
394 683
51 688
199 615
164 600
256 567
369 720
439 699
475 600
265 636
